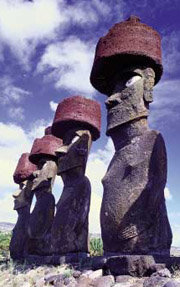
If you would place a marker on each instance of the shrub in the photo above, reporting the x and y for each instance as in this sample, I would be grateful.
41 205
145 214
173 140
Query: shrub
4 244
96 247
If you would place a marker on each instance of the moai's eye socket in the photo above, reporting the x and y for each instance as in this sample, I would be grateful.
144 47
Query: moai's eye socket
133 80
75 139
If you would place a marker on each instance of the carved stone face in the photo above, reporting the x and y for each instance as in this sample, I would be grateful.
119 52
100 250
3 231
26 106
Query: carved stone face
23 196
75 149
45 174
130 97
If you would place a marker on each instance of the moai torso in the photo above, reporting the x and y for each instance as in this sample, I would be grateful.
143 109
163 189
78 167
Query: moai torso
133 213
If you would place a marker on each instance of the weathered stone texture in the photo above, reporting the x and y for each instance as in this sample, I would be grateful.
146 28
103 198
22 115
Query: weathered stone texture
22 203
42 216
70 226
133 213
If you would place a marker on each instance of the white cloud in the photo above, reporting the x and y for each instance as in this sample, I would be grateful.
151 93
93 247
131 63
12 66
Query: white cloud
94 214
166 102
94 8
13 142
10 93
167 194
68 64
16 113
176 234
24 24
53 105
37 129
11 96
171 52
7 214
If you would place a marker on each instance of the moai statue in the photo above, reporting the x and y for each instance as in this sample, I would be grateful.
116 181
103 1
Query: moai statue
43 155
22 204
77 121
133 213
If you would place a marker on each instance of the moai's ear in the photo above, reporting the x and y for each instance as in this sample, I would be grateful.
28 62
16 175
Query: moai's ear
149 78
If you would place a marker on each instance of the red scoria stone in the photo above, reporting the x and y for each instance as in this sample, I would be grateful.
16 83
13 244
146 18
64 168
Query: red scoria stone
24 169
77 111
47 131
126 43
44 147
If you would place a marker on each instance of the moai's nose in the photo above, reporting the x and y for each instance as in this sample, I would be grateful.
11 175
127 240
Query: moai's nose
112 101
62 150
35 173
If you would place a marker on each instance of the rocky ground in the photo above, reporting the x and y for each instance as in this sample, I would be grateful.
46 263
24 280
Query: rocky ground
66 276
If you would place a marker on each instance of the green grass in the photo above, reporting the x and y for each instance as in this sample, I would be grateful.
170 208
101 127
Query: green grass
96 247
4 245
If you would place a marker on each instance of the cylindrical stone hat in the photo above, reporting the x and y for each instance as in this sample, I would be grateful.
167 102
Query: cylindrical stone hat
47 131
77 111
127 43
44 147
24 169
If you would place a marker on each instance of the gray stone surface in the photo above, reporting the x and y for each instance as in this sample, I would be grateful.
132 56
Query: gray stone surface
22 203
163 273
105 281
155 281
172 283
42 216
133 265
124 279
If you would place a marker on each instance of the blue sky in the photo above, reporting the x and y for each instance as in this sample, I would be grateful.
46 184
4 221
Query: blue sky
46 54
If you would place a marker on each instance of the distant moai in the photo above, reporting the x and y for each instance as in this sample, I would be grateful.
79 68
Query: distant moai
127 65
41 219
77 121
22 204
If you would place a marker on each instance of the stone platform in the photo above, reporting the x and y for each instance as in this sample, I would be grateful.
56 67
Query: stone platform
134 265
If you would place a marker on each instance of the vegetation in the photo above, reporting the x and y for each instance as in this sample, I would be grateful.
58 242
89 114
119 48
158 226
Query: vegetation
4 245
96 247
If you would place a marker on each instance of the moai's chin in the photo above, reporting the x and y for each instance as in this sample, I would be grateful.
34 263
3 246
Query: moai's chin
117 117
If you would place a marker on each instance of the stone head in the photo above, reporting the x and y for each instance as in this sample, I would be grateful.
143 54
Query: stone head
75 149
43 154
77 122
23 196
131 92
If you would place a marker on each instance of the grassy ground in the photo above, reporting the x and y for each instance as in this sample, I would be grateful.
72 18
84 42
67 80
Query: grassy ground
4 245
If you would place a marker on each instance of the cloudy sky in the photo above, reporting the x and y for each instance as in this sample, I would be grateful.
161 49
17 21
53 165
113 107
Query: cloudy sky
46 54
